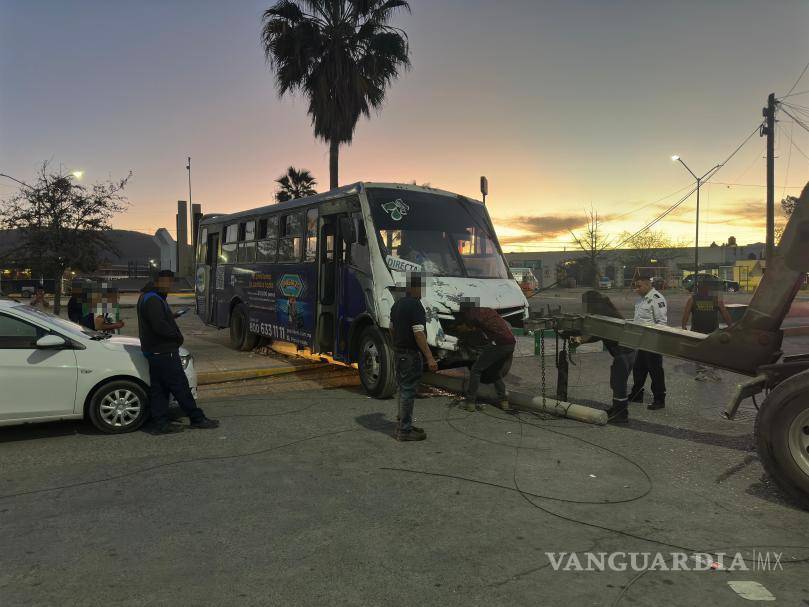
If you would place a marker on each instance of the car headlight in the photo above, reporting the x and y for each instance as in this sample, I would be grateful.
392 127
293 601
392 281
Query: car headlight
186 360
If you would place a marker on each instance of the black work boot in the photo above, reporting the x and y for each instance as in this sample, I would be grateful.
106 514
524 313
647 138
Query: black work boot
205 424
618 413
636 396
410 435
658 403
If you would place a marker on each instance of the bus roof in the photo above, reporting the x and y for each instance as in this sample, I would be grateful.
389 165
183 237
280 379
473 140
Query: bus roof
354 188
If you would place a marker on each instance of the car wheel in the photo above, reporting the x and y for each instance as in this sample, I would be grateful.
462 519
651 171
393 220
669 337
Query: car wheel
376 364
119 406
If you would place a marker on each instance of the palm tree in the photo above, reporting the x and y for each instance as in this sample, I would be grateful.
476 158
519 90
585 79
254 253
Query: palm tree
295 184
341 55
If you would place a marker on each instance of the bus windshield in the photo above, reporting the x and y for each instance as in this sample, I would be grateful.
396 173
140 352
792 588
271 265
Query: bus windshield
437 234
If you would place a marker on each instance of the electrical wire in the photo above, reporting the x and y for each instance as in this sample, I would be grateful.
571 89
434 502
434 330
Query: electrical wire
789 92
668 211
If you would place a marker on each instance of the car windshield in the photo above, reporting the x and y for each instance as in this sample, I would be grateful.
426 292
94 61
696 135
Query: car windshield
441 235
71 328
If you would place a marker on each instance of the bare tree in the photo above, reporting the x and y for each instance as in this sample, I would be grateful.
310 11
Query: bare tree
62 224
648 247
594 243
787 207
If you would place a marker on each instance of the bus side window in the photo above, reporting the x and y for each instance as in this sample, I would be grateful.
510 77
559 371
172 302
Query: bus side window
290 243
202 246
267 244
230 244
311 235
358 255
247 244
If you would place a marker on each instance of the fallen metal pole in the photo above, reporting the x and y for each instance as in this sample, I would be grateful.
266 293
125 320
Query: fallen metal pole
519 400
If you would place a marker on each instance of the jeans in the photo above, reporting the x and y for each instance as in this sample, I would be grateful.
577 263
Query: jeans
649 364
491 361
409 369
167 377
622 360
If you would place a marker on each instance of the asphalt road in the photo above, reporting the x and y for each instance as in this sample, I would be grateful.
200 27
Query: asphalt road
303 498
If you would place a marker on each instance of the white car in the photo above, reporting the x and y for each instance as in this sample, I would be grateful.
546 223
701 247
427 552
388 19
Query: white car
52 369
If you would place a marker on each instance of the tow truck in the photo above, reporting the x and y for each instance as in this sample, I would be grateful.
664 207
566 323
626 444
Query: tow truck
750 347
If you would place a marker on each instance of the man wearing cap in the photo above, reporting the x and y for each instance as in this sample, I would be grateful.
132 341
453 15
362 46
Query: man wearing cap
651 308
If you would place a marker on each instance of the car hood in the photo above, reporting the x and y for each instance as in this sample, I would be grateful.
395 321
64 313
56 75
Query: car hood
122 342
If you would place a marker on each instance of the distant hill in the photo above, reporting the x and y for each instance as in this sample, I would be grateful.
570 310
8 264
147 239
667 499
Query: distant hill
132 246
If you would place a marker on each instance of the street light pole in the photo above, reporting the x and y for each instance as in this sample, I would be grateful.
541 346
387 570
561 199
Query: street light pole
676 158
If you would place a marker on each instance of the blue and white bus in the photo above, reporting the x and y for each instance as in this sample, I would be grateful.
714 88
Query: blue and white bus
323 272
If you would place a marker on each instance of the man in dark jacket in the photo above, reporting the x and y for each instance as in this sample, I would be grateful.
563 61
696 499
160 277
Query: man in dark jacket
495 355
160 340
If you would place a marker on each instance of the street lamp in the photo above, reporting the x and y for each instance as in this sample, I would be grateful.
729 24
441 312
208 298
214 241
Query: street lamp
77 174
676 158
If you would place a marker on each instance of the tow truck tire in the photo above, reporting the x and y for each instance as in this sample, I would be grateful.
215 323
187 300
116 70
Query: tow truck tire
119 406
240 336
376 364
782 436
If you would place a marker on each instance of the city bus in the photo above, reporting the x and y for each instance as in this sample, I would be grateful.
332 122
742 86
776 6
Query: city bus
323 272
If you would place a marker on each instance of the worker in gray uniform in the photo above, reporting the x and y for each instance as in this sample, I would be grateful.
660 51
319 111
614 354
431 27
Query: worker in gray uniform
651 308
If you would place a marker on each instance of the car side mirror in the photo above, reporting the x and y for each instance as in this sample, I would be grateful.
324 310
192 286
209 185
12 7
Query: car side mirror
51 341
347 230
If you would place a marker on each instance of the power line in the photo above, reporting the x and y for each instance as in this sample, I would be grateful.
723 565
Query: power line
798 121
792 141
795 94
693 189
805 67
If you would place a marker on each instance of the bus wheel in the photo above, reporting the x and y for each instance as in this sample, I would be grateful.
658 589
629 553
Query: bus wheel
376 364
782 436
240 336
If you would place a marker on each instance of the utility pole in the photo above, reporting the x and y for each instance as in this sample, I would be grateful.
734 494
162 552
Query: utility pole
769 131
188 166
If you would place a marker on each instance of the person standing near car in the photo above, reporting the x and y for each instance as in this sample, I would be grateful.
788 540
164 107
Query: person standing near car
651 308
411 351
160 340
39 302
704 307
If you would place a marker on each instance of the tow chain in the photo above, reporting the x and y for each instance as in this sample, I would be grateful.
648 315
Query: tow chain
542 363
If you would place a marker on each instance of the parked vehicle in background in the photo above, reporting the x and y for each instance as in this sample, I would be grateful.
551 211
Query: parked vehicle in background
323 273
731 286
605 282
526 279
52 369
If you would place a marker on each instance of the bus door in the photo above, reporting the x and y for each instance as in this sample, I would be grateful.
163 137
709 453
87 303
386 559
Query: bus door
334 222
211 261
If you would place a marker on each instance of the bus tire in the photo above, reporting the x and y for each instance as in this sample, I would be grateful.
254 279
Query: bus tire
782 436
376 364
240 336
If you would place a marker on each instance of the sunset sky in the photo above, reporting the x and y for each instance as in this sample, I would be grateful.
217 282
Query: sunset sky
563 105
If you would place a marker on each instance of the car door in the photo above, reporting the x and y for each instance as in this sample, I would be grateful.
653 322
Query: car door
34 382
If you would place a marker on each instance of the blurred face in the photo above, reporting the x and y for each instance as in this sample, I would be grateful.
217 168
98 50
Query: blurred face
642 287
164 283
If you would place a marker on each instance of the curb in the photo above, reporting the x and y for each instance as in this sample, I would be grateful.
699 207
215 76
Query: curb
206 378
796 331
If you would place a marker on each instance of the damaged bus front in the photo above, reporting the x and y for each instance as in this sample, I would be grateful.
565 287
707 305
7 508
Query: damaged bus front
450 241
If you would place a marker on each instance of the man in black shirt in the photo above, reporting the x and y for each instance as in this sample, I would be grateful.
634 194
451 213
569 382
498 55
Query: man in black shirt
407 327
160 340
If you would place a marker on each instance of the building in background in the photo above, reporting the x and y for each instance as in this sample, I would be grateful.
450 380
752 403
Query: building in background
729 261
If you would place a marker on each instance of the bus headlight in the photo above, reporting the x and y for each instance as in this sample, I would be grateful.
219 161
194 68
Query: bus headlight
186 360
